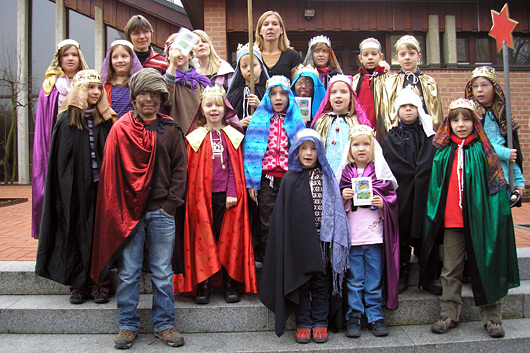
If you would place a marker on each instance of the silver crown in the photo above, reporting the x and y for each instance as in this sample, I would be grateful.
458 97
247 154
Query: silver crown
241 47
278 79
319 39
343 78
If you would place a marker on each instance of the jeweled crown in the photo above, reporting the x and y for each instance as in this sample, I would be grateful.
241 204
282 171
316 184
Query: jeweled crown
463 103
241 47
319 39
359 130
304 68
485 71
278 79
213 91
86 76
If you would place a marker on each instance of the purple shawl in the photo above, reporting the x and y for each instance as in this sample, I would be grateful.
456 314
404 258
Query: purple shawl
191 77
390 227
44 120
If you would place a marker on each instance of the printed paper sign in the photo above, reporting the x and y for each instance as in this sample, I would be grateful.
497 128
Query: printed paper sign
186 40
362 187
304 104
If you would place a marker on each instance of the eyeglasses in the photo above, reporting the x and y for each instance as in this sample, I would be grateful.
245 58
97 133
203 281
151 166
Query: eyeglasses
138 33
483 86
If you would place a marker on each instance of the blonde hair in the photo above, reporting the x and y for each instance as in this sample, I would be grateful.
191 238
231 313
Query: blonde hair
215 59
350 156
283 42
201 120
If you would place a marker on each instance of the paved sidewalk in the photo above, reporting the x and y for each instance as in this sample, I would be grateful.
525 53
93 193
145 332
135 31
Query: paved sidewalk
16 243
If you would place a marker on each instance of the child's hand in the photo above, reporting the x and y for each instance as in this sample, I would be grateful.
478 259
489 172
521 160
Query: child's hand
230 202
513 155
347 194
253 100
245 122
173 54
377 201
253 193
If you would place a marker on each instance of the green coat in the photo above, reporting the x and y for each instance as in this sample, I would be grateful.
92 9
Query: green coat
488 225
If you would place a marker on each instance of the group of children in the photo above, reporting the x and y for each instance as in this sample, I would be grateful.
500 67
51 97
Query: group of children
311 231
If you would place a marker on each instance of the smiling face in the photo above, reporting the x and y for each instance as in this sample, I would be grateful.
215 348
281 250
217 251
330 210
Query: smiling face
339 97
370 58
147 104
244 66
462 125
307 154
408 113
69 61
271 28
121 60
304 87
483 91
361 150
141 39
94 93
408 58
279 99
213 109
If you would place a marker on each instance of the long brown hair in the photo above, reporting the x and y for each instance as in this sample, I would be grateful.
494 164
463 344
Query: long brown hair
112 72
77 117
63 50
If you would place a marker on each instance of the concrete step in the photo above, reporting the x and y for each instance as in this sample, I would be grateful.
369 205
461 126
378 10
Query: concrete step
467 337
18 277
54 313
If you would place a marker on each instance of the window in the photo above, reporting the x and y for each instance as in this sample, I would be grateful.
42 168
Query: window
113 34
81 28
519 55
482 49
461 51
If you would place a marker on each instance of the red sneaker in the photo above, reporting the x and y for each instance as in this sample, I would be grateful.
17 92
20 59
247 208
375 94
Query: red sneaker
320 334
303 335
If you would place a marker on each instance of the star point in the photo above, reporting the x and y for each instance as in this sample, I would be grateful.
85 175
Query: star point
502 27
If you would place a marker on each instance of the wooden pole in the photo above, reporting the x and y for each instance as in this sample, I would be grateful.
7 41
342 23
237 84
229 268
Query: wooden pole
506 62
251 46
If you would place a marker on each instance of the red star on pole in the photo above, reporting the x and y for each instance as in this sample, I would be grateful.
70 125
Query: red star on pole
502 27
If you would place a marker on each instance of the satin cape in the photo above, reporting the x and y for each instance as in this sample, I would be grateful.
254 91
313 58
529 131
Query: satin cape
203 257
488 225
65 243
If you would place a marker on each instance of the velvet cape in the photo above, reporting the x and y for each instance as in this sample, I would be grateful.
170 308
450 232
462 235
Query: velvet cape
65 243
386 190
488 225
203 257
413 173
123 194
45 116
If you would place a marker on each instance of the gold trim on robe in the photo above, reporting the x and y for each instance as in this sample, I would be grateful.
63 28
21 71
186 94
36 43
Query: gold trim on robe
196 137
323 125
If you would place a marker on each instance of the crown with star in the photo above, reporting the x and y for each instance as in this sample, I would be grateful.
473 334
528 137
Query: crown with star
462 103
86 76
246 46
319 39
485 71
361 130
213 92
278 79
304 68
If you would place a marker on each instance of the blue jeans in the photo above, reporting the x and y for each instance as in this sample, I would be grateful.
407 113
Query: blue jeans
313 307
158 229
365 277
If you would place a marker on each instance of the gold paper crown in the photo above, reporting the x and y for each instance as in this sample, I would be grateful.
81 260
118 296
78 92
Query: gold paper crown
485 71
319 39
304 68
408 39
361 129
241 47
86 76
213 91
463 103
278 79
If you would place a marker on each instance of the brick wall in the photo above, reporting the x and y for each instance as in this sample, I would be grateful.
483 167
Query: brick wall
451 84
215 24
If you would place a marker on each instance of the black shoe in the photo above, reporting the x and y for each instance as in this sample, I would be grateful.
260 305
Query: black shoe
204 292
353 327
231 295
101 298
78 297
378 328
433 287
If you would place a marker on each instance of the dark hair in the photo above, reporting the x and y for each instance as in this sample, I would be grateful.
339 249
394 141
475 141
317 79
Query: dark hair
135 22
455 112
77 117
63 49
